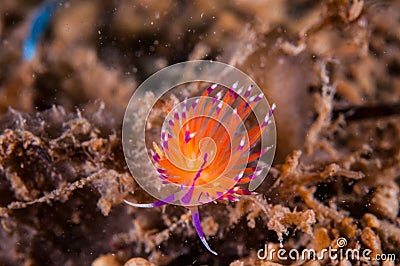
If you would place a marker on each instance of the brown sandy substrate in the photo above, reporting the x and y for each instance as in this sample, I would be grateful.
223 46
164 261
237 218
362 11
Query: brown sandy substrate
63 175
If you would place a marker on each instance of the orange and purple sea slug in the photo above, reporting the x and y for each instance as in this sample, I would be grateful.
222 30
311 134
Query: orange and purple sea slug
206 149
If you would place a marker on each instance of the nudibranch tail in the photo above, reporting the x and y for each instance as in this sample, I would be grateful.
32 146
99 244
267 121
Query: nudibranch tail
197 226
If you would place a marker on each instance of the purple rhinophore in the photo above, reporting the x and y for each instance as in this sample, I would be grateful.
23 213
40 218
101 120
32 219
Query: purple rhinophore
231 92
165 145
211 88
258 98
219 107
241 144
263 151
268 117
201 168
198 199
187 136
217 97
194 104
219 194
248 91
188 196
156 157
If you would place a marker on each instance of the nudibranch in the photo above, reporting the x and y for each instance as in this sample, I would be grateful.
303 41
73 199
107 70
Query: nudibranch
207 150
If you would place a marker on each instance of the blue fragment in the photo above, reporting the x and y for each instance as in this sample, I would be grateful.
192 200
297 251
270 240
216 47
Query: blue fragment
39 24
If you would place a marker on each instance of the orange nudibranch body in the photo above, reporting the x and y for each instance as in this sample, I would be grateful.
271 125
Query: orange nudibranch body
204 143
207 150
